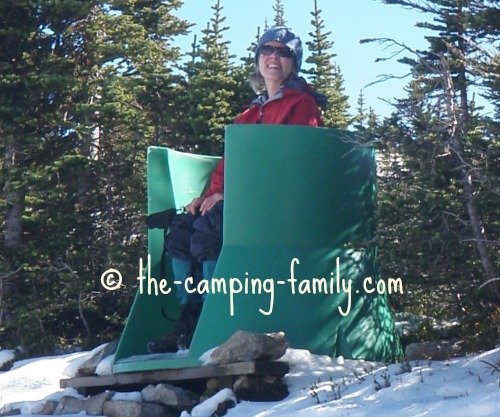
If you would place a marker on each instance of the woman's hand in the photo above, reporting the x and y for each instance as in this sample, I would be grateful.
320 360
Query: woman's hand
194 205
203 204
209 202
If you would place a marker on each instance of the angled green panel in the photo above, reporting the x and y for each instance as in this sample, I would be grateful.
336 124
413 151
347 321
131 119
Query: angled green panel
294 192
174 179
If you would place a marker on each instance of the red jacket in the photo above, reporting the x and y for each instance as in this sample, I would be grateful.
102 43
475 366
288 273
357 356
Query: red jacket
291 107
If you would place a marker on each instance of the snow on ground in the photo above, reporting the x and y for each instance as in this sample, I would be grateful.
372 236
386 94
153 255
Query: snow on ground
319 386
30 383
6 356
322 386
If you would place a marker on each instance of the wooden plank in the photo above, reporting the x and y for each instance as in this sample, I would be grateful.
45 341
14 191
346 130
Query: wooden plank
181 374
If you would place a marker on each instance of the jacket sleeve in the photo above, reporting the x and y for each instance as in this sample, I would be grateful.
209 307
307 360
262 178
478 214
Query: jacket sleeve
305 112
216 180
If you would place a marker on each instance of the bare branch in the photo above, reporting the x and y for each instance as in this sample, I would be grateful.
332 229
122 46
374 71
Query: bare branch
386 77
465 223
7 276
391 43
488 282
65 267
490 242
480 48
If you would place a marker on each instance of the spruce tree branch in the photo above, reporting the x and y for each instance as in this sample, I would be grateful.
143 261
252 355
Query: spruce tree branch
422 6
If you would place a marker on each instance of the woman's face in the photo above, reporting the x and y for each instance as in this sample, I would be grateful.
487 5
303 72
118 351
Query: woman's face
273 68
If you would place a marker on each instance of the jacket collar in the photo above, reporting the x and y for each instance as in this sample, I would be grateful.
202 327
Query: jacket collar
293 84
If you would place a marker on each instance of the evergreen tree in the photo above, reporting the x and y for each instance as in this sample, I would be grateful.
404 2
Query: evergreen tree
325 74
241 74
249 60
126 105
447 67
365 120
438 153
99 77
361 116
210 89
34 82
36 86
279 16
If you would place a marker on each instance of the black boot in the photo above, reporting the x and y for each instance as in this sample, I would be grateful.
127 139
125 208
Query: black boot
167 343
180 337
190 320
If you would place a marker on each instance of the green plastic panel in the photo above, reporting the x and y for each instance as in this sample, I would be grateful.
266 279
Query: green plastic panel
174 179
298 201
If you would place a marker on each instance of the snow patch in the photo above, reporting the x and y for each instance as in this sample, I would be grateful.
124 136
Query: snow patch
319 386
6 356
208 407
128 396
105 367
206 357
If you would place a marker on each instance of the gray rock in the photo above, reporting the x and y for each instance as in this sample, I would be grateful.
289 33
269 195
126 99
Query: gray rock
89 366
122 408
246 346
437 350
223 407
93 406
49 408
174 397
14 412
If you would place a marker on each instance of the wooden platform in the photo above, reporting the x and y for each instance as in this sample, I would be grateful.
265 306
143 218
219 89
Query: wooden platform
119 382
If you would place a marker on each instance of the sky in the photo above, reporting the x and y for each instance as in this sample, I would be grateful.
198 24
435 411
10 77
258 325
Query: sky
348 20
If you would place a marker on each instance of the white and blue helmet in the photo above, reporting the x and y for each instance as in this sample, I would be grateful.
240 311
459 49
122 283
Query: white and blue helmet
283 35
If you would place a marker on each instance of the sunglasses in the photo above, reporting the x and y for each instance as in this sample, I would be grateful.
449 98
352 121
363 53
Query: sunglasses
281 51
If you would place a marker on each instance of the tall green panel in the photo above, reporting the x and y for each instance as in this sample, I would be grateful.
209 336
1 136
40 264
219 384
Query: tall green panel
174 179
298 201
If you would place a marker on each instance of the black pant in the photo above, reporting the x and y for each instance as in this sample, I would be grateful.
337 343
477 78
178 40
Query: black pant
195 236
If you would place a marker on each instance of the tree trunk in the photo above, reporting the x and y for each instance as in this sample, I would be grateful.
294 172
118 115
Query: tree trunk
457 128
477 228
14 196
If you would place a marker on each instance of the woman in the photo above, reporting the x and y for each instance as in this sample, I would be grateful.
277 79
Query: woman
284 98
